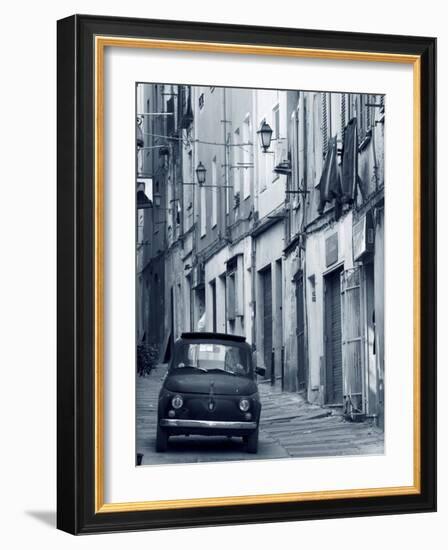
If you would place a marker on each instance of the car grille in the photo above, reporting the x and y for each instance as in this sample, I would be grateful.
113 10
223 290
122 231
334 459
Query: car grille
210 408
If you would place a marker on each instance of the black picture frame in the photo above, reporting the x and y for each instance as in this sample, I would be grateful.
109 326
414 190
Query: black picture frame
76 512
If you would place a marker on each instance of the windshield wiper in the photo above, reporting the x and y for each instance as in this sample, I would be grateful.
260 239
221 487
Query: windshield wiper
191 367
222 370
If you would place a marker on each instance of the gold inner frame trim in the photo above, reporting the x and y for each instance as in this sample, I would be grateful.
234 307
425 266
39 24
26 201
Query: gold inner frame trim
101 42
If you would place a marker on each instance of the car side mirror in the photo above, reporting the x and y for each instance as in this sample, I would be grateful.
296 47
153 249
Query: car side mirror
260 371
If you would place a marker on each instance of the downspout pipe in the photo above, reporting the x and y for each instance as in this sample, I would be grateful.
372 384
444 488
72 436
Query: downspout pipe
253 259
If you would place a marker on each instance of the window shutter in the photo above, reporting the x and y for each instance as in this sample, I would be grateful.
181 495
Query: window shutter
382 102
170 122
324 123
369 100
360 117
352 341
343 115
230 287
239 286
295 150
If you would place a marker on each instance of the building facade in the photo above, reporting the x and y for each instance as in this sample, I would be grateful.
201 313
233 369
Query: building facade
281 244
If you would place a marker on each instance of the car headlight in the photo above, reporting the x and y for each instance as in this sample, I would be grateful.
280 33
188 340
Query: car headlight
177 402
244 405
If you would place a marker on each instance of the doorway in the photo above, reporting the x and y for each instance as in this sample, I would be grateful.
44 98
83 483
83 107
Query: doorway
267 322
214 313
333 338
302 370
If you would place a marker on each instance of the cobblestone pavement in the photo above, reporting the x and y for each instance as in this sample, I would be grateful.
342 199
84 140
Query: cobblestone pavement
289 427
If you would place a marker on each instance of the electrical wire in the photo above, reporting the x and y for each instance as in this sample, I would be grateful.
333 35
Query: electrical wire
203 142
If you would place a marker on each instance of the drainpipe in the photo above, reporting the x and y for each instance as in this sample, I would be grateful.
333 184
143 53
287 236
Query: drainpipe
226 163
375 163
194 198
253 256
303 241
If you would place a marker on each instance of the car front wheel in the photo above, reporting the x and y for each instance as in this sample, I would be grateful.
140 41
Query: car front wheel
251 441
161 440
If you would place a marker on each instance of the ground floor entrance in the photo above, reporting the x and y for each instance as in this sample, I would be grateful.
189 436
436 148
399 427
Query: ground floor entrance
302 363
267 322
333 338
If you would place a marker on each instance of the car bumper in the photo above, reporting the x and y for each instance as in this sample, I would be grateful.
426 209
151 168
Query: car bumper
208 427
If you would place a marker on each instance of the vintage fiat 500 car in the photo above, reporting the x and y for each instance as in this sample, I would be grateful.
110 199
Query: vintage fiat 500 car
210 389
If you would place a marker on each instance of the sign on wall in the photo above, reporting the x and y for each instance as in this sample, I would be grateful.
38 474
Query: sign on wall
331 249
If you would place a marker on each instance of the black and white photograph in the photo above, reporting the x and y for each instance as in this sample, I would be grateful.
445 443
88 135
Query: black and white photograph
259 273
220 284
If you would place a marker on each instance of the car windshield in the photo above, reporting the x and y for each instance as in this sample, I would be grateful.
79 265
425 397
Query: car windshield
212 357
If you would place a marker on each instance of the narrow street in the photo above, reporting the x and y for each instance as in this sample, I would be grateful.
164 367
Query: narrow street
289 427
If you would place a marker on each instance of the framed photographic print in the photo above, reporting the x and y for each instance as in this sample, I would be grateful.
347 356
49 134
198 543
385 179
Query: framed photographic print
246 274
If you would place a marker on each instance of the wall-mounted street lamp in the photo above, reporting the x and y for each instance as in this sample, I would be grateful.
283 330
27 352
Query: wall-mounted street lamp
265 133
200 173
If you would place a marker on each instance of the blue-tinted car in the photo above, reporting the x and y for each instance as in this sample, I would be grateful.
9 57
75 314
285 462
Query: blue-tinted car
210 389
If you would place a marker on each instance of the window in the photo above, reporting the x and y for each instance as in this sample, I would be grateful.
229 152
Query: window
317 142
140 226
232 294
346 111
247 157
363 115
205 355
202 198
215 191
223 292
336 116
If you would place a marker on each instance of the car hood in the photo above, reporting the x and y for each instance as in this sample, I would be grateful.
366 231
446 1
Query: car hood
218 384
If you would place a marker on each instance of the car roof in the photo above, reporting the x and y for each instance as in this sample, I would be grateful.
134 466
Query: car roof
212 336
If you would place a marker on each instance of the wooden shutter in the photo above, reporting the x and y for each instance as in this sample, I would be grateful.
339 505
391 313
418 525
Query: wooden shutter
230 295
324 123
344 117
295 156
170 122
352 341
